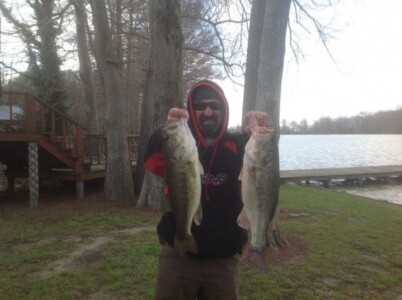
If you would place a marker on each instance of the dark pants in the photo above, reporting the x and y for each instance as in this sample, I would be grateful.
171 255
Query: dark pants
190 278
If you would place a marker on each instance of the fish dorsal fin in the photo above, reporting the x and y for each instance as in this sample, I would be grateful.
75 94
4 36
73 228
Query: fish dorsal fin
198 215
201 168
241 174
243 220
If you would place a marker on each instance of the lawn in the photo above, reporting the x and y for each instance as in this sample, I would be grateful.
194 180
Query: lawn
340 247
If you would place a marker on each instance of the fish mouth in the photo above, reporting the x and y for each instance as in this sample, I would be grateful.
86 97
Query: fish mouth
171 126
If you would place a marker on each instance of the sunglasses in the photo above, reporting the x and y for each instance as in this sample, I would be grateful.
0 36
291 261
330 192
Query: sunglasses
204 105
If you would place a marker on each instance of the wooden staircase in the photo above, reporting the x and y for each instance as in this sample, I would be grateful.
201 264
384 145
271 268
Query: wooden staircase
64 153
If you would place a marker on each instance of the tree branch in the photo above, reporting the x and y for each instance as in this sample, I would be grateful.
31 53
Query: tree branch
321 29
16 71
22 28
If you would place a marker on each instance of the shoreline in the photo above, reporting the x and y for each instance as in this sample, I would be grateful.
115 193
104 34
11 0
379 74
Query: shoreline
390 191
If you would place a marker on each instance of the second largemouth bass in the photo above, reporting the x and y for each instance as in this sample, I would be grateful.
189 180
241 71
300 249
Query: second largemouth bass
260 189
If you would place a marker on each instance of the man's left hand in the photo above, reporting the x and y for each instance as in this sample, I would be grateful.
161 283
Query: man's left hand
254 119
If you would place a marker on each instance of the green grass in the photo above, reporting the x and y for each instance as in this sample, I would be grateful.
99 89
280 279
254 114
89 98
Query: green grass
344 247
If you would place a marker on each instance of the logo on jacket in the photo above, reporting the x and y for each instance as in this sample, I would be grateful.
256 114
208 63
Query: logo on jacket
215 180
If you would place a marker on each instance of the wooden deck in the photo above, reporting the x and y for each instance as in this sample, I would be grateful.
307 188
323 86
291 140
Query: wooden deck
39 142
357 173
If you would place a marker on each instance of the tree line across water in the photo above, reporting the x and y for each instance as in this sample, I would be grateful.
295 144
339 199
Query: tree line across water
382 122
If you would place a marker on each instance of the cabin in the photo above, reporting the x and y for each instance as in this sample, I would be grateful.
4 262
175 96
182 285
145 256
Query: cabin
39 142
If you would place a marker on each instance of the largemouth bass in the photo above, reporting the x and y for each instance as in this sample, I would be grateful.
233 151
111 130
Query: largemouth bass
183 171
260 189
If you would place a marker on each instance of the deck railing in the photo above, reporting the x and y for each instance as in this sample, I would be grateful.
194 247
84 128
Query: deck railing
25 113
95 149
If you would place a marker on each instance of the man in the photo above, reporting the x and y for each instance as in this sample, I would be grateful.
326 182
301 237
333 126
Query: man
212 273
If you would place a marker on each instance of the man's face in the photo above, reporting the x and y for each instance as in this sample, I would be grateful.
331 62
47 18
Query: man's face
209 114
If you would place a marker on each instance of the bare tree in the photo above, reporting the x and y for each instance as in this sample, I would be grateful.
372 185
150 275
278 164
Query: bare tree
39 36
253 55
269 35
225 21
305 21
136 42
163 88
266 51
91 115
118 184
271 58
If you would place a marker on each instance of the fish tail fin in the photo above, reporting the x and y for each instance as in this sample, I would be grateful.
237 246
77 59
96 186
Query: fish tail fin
184 245
256 258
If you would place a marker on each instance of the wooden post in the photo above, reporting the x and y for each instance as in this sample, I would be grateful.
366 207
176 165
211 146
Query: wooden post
10 184
64 144
388 180
53 126
79 152
79 148
33 174
327 183
42 118
30 114
79 189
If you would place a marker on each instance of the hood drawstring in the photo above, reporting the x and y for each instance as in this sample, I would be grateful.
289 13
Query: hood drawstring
209 171
201 141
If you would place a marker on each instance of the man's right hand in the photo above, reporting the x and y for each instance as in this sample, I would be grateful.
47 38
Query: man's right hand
175 114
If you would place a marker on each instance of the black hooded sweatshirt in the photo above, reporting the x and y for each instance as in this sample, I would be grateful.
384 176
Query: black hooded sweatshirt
218 235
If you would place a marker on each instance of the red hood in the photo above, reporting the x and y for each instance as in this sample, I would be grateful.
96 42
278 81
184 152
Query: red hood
192 121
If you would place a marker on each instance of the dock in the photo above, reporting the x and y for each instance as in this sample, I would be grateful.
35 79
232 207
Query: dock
351 173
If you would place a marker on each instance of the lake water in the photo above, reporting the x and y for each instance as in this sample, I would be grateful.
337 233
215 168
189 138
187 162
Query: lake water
337 151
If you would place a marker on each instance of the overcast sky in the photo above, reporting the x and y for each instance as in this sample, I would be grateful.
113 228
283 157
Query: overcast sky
365 77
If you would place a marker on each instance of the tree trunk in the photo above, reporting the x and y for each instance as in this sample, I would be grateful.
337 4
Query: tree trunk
118 183
152 191
130 88
91 115
253 55
51 86
163 86
272 53
263 90
43 59
119 33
